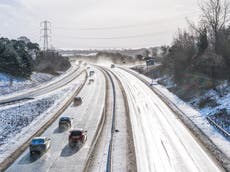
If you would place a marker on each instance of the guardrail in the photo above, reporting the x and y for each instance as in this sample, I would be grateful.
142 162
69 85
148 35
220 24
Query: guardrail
223 131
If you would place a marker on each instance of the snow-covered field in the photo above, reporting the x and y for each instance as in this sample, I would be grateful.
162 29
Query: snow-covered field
14 118
9 84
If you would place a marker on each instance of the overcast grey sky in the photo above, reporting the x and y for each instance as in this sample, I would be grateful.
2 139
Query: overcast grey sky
84 24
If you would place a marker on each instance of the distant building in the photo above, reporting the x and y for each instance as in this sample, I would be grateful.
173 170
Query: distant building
24 39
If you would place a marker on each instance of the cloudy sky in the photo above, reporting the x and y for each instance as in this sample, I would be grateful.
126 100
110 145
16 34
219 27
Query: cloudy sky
83 24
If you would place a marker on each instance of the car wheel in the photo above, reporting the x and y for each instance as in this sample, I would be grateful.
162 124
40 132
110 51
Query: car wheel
85 139
71 145
48 147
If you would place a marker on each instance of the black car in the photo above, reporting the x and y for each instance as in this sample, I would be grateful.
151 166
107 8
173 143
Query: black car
65 122
91 73
77 101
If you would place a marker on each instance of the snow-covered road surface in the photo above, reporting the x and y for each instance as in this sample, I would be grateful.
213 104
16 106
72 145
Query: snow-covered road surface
161 140
113 150
60 157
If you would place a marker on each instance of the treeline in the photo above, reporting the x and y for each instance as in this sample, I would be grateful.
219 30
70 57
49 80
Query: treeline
20 58
115 57
15 57
205 48
51 62
109 57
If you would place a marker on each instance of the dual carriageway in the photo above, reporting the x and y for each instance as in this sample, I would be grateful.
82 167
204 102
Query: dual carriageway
129 128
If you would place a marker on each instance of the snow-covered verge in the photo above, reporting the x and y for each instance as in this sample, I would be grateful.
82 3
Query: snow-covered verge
19 122
38 80
14 118
197 119
9 84
212 103
215 105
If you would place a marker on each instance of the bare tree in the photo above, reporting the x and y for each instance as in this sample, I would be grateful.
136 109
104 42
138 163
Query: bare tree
215 14
146 53
197 28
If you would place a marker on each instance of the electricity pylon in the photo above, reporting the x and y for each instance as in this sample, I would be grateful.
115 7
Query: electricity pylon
45 34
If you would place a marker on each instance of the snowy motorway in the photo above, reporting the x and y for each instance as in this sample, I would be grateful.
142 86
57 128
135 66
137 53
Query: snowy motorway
114 150
60 157
129 128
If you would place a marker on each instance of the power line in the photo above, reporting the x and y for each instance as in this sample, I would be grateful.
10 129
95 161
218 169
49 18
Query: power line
118 37
45 31
107 28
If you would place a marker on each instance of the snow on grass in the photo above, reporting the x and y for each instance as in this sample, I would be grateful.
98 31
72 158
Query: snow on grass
13 119
10 84
19 86
215 105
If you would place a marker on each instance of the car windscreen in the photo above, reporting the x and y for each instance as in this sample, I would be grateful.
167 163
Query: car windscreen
37 141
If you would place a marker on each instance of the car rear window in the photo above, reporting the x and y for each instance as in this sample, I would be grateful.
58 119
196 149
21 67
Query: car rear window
64 119
76 133
37 141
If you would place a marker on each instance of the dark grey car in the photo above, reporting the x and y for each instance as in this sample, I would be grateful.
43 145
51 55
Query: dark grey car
65 123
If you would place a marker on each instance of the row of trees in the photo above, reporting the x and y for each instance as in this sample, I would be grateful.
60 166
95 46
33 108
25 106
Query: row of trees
16 58
205 48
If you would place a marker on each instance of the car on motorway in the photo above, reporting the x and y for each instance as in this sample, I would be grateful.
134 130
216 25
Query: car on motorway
77 101
77 137
39 145
65 123
90 81
91 73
